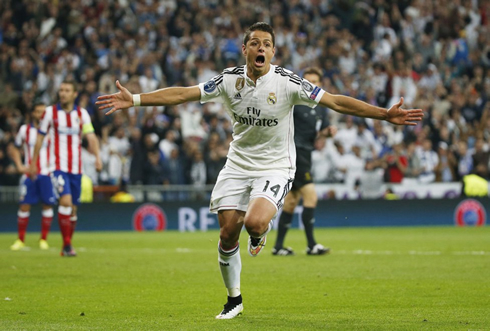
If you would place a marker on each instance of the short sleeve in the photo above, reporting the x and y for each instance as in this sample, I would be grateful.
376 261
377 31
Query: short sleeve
212 90
87 126
20 137
306 93
46 120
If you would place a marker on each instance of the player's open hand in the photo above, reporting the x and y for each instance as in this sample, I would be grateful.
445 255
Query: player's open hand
399 116
120 100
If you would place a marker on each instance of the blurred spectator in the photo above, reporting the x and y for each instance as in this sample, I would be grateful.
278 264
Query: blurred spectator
168 144
447 162
396 164
403 86
174 172
351 165
413 169
464 159
428 162
155 172
323 161
365 141
119 157
347 135
481 157
198 175
215 157
371 180
138 158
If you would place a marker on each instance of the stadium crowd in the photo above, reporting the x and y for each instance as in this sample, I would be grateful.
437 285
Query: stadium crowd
434 53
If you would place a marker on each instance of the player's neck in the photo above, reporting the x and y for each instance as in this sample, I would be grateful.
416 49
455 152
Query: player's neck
68 107
254 75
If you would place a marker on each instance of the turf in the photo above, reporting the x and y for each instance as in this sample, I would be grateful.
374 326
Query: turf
435 278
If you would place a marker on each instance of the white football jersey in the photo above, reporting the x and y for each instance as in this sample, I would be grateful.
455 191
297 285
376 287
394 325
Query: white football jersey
27 137
262 115
65 132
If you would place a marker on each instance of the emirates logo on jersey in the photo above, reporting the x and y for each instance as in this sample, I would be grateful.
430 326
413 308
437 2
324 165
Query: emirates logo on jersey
271 99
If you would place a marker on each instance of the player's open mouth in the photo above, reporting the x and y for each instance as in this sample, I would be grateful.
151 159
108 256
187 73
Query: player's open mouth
260 61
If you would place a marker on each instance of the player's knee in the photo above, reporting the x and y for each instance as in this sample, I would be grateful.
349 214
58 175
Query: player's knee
311 201
66 203
256 225
228 237
289 206
25 208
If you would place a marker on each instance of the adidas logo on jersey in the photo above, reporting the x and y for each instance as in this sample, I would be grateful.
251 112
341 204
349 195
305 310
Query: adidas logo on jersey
238 96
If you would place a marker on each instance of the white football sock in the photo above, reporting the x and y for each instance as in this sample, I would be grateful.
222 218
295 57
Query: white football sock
230 265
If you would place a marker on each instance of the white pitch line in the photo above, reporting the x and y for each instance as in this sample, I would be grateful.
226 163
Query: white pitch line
412 252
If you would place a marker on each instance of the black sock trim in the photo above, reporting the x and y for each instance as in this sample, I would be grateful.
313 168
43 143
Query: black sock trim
235 300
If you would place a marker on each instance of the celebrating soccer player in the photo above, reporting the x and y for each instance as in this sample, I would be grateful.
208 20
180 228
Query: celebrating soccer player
259 98
65 122
31 191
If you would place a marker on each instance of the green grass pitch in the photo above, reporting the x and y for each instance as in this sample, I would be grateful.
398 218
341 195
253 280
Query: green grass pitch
424 278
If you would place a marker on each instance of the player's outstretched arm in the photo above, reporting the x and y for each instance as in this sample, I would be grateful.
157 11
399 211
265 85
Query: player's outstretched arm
163 97
395 114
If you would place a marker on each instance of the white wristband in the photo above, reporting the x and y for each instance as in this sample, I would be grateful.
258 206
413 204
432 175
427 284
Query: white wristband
136 100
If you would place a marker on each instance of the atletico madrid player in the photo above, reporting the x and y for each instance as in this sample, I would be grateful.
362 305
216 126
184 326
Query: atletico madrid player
65 123
31 191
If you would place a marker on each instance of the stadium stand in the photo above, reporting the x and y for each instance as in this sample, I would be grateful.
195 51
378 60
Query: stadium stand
436 54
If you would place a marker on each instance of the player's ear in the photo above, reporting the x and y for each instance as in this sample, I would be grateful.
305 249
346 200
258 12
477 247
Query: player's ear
244 50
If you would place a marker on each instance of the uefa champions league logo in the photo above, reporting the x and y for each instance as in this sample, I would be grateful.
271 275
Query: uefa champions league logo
470 212
149 217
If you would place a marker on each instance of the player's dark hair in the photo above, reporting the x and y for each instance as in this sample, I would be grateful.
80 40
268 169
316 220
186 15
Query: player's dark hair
313 71
37 104
71 82
259 26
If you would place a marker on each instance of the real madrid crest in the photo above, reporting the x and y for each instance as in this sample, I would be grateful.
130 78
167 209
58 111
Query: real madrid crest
240 83
271 100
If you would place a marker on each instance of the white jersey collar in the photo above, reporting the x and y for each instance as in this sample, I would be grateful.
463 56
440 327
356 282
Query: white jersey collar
261 78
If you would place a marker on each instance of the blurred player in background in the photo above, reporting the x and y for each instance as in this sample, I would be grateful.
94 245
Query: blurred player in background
309 124
259 97
65 123
33 191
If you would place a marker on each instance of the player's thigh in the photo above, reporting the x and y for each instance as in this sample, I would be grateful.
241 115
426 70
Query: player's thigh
231 191
260 212
61 183
27 191
75 188
310 198
272 186
45 189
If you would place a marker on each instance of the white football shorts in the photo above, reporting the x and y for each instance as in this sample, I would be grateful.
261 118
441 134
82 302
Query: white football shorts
236 187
